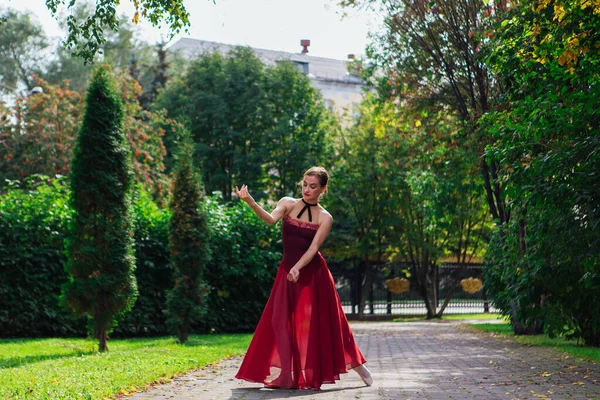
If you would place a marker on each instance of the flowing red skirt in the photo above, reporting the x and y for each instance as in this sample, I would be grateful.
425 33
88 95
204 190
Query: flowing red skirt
303 338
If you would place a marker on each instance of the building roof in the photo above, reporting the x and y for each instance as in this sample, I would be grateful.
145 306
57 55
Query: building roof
319 68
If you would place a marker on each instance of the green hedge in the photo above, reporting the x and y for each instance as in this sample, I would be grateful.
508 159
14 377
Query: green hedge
33 222
245 256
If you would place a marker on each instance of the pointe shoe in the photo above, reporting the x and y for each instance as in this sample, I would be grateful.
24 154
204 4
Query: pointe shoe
364 374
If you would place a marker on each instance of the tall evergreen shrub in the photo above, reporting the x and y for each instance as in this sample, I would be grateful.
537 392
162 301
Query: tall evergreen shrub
188 241
100 254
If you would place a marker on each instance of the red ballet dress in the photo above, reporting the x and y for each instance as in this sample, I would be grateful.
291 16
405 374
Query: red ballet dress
303 338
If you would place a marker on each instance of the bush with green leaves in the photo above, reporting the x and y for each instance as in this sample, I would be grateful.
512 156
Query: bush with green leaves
188 241
33 223
153 269
245 255
545 264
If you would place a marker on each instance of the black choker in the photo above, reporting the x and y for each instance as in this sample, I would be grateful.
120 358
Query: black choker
306 207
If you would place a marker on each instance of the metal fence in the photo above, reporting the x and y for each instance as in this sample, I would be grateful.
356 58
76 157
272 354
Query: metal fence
380 301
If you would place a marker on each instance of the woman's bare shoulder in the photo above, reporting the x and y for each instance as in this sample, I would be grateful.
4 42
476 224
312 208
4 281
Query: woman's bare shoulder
287 203
287 200
325 216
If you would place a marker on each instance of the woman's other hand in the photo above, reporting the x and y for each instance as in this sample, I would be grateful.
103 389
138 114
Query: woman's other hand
244 195
293 275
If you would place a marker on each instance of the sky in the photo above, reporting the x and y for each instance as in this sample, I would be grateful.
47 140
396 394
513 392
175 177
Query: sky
267 24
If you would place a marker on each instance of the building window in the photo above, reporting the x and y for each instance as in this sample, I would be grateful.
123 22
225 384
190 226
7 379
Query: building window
302 66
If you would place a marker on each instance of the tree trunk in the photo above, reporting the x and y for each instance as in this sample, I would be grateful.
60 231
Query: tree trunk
486 303
183 331
365 284
431 308
449 295
521 327
102 337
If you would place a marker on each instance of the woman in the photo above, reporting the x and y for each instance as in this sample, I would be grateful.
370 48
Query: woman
302 339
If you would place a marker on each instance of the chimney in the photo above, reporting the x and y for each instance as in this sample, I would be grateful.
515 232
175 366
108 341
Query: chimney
304 43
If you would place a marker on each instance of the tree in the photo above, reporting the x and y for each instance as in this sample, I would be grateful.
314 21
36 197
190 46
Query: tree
157 75
101 262
369 180
300 131
23 46
430 52
87 37
259 125
118 50
545 133
443 212
409 194
188 242
222 99
39 131
145 131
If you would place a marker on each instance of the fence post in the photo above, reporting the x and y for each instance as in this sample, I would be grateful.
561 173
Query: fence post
354 284
486 304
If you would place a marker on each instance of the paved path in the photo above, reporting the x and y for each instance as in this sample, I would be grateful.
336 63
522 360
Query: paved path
418 360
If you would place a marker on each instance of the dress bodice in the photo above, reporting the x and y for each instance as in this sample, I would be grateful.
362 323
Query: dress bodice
297 236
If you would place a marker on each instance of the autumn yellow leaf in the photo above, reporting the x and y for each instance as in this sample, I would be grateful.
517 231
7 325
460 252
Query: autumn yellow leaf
542 4
559 13
418 123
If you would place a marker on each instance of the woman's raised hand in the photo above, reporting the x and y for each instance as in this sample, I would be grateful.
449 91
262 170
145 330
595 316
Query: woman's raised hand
243 194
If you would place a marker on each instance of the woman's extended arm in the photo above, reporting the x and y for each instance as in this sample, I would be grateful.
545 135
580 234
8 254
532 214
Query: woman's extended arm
282 208
315 245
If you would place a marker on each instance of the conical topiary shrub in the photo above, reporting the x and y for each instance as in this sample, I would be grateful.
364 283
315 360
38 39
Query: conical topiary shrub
100 243
188 241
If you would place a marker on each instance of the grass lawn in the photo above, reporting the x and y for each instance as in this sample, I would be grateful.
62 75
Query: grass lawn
454 317
73 369
570 347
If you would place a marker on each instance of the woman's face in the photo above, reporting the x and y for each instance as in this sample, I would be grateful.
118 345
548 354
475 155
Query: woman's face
311 189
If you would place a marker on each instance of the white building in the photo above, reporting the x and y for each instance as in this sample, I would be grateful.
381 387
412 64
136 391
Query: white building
339 89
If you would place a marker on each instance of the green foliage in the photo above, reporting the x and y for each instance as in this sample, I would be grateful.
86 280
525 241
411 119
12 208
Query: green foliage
188 241
221 99
251 124
33 224
245 256
409 191
545 134
38 134
72 369
119 47
300 129
100 244
153 269
145 131
22 45
87 37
